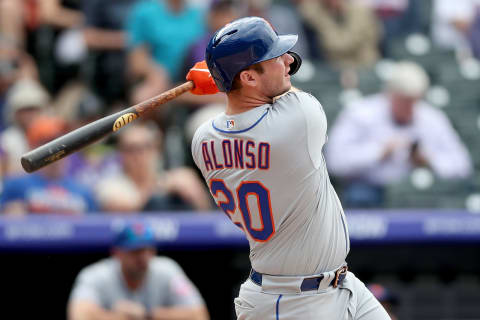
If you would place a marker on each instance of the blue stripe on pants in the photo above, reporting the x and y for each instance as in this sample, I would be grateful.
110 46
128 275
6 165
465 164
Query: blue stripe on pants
276 308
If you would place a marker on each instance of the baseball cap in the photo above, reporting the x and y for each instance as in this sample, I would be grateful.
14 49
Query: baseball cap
134 235
44 129
409 79
27 93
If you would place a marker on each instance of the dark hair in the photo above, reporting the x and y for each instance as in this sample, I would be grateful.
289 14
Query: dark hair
237 84
221 5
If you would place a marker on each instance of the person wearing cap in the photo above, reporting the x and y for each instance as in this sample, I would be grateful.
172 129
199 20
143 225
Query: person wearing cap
263 163
379 139
134 283
48 190
346 32
26 100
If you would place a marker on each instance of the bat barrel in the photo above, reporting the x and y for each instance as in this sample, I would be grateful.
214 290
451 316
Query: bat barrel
75 140
92 132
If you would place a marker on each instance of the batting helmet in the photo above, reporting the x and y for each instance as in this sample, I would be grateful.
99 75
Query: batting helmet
242 43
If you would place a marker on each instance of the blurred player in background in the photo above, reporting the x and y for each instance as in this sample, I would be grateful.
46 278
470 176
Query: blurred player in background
134 284
262 160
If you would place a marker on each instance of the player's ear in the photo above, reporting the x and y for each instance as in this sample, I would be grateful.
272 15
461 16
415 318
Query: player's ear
248 78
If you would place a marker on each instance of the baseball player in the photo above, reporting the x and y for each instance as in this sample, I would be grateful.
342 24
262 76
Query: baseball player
135 283
262 160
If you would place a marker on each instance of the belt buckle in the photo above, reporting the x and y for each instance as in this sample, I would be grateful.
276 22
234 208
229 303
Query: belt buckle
342 271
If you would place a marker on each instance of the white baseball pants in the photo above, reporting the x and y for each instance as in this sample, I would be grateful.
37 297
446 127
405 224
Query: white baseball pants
351 300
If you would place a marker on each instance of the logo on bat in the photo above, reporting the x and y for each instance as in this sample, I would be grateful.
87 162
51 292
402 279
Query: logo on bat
123 120
55 157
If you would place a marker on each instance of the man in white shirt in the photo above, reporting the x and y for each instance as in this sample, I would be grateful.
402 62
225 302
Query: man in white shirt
26 100
377 140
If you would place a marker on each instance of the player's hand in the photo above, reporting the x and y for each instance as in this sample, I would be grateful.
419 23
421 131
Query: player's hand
130 309
392 146
201 77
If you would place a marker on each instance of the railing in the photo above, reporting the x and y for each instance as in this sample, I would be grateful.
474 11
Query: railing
214 230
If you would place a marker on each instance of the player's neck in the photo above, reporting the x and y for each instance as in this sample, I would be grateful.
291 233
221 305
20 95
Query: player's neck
239 102
133 282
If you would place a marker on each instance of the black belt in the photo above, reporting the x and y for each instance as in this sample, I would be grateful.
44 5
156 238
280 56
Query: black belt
308 283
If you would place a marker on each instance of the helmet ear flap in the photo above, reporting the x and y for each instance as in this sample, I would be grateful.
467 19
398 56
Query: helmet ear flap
295 64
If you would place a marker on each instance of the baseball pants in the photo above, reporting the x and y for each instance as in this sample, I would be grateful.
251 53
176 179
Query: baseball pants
351 300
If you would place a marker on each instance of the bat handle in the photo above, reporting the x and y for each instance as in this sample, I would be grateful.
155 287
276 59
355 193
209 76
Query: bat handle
162 98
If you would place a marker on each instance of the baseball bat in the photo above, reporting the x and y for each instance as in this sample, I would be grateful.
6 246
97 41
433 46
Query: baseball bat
83 136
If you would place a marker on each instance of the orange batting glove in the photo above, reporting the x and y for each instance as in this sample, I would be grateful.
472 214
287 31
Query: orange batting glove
201 77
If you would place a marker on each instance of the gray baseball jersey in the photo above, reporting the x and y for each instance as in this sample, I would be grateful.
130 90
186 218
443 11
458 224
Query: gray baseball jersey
266 170
165 285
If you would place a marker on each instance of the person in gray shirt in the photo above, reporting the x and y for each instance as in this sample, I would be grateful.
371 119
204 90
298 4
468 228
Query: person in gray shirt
135 284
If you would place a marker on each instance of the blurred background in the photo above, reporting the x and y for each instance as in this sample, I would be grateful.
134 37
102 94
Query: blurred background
399 81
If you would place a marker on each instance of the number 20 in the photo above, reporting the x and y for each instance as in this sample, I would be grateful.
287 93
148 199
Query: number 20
245 189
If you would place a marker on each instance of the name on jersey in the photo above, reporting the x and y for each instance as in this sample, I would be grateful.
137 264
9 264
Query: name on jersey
236 154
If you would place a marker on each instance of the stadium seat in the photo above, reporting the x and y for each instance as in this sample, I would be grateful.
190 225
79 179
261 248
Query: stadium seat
440 194
325 86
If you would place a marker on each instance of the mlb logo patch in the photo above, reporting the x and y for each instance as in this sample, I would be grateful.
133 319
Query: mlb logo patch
230 124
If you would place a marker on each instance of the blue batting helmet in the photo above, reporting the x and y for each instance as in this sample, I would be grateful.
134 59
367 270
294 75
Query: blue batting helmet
242 43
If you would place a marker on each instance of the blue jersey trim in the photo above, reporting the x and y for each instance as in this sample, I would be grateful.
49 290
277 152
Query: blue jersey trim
240 131
277 307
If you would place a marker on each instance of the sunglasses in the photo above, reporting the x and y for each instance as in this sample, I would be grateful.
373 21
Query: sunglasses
137 147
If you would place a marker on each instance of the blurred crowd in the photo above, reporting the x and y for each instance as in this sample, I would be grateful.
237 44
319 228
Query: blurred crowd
65 63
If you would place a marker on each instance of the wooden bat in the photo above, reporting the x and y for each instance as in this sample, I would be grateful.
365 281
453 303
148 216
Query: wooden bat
83 136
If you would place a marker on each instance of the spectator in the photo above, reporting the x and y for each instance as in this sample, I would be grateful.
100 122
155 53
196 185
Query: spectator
141 186
106 40
134 284
386 297
347 33
11 22
221 12
377 140
15 64
451 22
49 190
284 19
160 33
25 102
88 165
54 39
399 18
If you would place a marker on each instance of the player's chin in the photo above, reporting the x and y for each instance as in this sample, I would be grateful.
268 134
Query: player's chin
287 85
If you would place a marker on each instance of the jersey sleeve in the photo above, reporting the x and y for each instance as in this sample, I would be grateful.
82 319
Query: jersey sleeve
86 287
315 125
182 292
196 152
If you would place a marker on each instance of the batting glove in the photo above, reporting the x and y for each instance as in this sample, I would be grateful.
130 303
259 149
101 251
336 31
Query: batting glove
201 77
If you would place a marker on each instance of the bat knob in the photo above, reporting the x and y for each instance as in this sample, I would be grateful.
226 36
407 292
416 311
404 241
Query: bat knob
27 164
